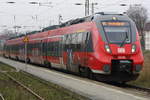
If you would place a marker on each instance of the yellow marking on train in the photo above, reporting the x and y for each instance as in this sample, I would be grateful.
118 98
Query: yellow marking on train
113 23
26 39
80 31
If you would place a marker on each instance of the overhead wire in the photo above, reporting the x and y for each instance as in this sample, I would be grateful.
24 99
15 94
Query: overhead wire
53 6
56 4
116 3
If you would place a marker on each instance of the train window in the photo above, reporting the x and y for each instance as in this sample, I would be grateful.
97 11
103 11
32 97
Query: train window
116 32
44 49
79 38
84 36
60 49
36 45
38 49
66 42
57 48
74 41
49 48
78 42
53 49
70 40
74 38
89 43
84 40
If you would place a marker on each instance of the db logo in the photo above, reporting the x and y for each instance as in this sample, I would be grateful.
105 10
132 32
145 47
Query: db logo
121 50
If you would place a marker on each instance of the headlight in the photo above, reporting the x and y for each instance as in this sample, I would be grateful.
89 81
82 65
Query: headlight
107 48
133 48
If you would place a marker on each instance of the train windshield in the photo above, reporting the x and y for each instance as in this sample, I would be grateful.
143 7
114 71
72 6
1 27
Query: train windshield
117 32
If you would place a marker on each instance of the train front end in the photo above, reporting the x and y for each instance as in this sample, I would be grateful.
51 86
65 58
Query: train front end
118 53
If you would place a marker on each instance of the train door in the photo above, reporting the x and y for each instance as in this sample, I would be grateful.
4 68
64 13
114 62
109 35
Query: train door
86 39
65 52
36 52
44 51
22 52
68 52
60 51
41 52
70 48
69 58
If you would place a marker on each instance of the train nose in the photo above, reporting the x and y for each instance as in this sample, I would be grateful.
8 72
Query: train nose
121 66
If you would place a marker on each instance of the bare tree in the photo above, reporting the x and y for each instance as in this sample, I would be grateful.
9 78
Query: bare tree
139 15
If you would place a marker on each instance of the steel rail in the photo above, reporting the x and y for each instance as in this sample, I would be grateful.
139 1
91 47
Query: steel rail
51 86
25 87
129 86
138 88
2 96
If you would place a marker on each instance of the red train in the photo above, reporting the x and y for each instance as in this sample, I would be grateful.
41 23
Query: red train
105 46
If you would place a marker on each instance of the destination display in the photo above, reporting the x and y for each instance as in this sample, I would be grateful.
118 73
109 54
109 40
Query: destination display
115 23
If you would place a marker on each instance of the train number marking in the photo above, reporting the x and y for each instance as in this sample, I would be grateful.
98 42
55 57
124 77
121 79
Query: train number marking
121 50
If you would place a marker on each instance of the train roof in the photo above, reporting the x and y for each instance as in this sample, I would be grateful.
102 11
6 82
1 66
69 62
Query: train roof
68 23
109 16
21 35
72 22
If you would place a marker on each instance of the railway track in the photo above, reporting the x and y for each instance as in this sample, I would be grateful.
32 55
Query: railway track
128 86
138 88
82 86
22 85
1 96
121 85
114 84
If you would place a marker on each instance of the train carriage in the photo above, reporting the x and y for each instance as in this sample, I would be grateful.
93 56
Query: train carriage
105 46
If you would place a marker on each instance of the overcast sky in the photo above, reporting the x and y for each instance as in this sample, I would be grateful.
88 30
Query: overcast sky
34 16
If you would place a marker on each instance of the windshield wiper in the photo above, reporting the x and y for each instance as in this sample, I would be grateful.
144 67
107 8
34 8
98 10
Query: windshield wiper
123 42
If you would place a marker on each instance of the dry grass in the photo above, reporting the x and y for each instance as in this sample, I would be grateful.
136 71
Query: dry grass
144 78
145 74
47 90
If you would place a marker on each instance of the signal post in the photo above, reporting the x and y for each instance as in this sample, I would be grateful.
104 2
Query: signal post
26 40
